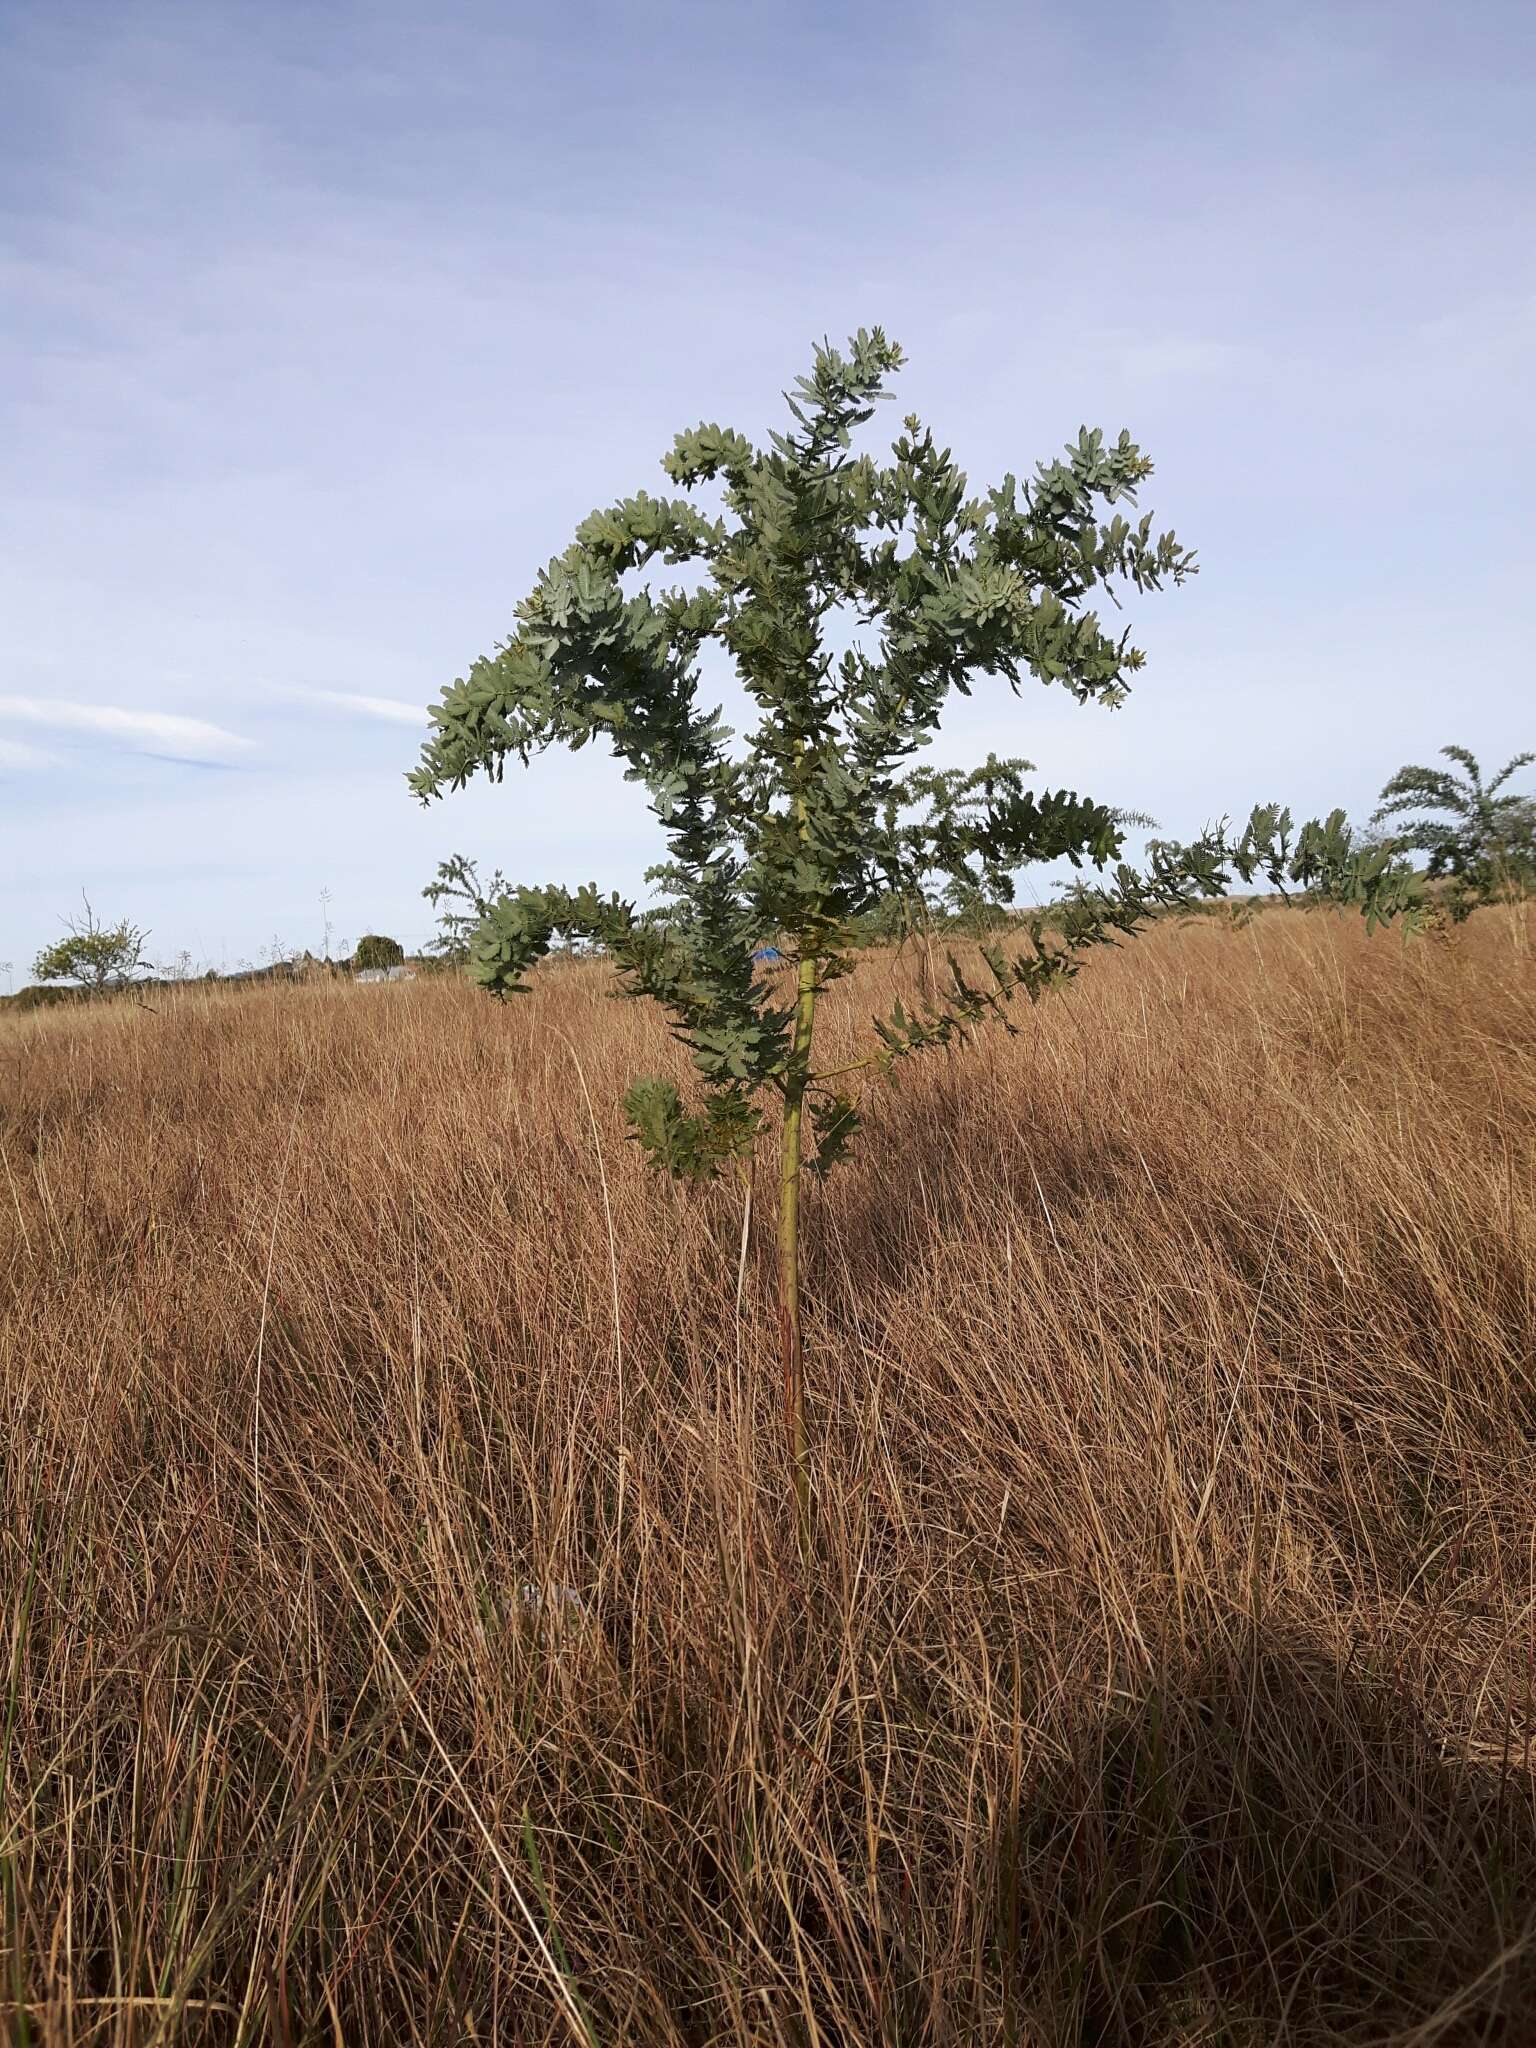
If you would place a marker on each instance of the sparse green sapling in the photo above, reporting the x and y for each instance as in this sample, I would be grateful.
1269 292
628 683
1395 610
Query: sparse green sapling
853 597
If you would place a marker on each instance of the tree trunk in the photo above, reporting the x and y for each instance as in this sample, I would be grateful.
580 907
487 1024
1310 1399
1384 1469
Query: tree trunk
791 1337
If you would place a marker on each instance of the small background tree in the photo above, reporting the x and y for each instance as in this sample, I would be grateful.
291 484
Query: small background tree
852 598
374 951
1482 840
95 956
462 902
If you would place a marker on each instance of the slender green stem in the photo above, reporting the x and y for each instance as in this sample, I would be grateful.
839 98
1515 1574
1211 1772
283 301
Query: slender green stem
836 1073
791 1336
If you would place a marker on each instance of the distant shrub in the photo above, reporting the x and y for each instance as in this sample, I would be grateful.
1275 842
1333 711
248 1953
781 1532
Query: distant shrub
41 996
374 950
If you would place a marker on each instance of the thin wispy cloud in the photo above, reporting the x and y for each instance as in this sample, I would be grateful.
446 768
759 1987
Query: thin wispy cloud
394 710
16 757
163 733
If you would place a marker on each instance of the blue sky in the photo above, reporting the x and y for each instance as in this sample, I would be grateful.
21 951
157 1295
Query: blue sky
321 325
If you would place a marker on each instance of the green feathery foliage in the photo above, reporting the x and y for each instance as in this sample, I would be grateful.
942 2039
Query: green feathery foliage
853 598
1483 841
462 902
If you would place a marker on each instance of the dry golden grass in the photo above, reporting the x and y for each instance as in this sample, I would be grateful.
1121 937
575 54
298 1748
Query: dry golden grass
1165 1669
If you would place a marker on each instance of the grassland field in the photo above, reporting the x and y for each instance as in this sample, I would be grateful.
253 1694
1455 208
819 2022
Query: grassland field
402 1634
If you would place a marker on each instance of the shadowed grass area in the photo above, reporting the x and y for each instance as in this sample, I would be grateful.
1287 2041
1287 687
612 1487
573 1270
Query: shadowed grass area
1164 1672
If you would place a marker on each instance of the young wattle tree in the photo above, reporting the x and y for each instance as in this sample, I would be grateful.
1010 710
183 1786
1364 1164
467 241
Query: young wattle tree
852 597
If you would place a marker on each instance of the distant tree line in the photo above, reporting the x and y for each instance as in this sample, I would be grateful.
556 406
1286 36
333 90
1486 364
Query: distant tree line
1477 838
